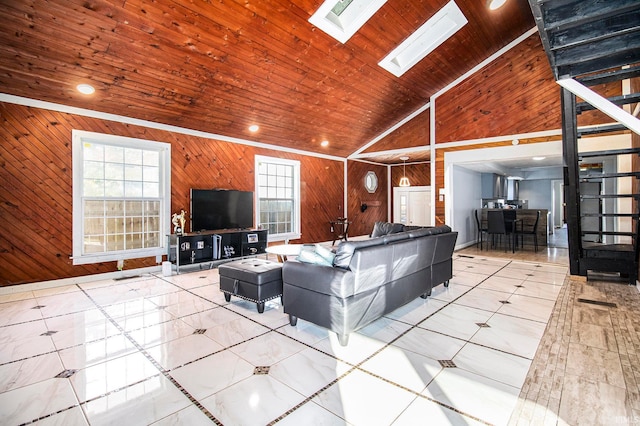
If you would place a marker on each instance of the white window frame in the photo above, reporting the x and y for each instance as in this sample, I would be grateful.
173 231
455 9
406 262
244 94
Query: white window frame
79 138
295 234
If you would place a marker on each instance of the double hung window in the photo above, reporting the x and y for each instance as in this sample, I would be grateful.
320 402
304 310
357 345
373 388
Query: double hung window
278 194
121 197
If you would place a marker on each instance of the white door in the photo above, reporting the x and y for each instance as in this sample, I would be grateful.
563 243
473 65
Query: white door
412 205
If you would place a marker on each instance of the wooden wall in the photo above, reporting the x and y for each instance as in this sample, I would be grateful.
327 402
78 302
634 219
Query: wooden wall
514 94
362 222
418 174
36 191
412 134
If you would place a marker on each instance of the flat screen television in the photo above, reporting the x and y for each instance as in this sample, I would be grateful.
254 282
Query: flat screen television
213 209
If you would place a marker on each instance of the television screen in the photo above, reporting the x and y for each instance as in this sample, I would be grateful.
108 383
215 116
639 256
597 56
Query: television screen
213 209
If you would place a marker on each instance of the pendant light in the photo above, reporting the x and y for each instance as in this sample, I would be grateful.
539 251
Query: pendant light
404 181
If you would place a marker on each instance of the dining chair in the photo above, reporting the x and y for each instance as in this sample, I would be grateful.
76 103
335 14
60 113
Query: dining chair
533 231
496 226
510 225
481 230
509 217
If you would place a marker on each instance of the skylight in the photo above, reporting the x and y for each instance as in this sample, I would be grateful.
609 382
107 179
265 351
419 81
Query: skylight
342 18
445 23
340 7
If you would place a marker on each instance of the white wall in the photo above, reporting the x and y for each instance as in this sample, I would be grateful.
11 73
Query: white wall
538 193
544 173
466 191
537 187
487 185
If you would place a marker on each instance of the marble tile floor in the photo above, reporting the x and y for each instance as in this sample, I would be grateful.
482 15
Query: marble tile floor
492 348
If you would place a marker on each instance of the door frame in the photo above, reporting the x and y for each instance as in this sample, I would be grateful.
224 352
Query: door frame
397 189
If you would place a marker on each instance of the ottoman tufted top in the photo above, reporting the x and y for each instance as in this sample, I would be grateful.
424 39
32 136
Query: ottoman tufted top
256 271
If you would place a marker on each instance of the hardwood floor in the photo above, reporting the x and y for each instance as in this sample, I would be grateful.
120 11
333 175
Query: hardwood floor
548 254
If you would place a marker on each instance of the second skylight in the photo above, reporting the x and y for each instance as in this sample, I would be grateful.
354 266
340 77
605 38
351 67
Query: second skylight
440 27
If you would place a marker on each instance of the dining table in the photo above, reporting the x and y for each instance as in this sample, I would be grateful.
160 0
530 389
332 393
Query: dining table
525 219
512 225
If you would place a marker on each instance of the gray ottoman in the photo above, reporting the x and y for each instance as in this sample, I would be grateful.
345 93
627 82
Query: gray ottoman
251 279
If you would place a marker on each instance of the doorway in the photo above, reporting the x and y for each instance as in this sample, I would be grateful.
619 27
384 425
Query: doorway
412 205
557 209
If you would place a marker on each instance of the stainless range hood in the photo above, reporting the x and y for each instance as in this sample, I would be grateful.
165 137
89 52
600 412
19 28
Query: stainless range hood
499 186
513 189
506 193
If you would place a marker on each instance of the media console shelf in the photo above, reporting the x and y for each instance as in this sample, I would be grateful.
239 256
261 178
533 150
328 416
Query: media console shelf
210 246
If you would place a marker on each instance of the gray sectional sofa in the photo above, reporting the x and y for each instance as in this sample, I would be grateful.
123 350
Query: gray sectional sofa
368 279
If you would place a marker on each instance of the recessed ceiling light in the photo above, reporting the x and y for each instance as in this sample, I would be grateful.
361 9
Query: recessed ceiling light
539 158
495 4
254 128
445 23
342 18
324 143
85 89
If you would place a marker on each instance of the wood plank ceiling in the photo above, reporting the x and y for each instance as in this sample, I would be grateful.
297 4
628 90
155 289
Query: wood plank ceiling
220 66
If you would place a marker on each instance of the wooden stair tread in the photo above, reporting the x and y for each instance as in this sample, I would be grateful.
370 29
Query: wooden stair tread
610 152
592 197
609 175
631 215
618 233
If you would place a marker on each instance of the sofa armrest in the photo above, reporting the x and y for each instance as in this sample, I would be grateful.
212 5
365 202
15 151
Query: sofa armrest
321 279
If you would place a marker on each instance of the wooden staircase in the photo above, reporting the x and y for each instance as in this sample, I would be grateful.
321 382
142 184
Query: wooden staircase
620 253
588 43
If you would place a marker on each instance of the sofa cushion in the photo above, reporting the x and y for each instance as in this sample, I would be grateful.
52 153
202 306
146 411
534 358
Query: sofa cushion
326 253
316 254
320 279
392 238
346 249
385 228
433 230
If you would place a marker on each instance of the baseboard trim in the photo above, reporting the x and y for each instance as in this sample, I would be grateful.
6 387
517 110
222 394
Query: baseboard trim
41 285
